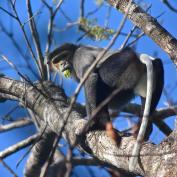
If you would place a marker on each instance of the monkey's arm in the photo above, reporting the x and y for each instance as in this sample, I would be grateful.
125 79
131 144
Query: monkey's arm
96 91
90 88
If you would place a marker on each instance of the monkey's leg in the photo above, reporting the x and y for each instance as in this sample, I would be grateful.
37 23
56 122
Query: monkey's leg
96 92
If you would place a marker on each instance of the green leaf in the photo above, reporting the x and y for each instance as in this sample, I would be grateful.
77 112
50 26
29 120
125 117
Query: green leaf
94 31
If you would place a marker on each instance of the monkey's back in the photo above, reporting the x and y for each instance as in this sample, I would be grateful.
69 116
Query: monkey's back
120 67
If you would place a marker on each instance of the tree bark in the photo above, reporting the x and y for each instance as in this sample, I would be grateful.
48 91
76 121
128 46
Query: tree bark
50 104
149 25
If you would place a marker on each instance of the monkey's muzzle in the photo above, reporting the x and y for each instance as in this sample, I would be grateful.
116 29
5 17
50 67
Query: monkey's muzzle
66 71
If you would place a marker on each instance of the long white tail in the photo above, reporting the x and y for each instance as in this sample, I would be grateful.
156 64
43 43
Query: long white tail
147 60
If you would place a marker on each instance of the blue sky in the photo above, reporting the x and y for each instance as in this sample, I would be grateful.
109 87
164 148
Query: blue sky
145 45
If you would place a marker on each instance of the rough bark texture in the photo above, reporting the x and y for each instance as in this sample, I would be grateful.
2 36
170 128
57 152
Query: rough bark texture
149 25
50 104
39 154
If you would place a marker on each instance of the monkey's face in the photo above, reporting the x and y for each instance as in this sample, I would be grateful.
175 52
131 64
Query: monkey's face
60 61
63 66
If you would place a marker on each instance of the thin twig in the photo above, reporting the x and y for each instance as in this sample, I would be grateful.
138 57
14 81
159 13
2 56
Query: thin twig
82 10
46 4
7 12
58 6
66 16
13 66
19 49
8 168
169 5
7 115
69 158
16 124
25 37
34 15
36 40
128 37
137 38
131 32
18 146
68 25
50 30
94 11
108 14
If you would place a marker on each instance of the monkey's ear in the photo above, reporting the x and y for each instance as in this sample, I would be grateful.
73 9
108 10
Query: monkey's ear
59 56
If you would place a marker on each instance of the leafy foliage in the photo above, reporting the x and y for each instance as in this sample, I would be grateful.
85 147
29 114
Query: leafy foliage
93 30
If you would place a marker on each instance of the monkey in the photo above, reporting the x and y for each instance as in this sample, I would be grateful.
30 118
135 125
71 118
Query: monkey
125 72
122 70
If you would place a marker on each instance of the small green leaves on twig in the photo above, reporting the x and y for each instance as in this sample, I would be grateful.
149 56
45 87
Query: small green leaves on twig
95 31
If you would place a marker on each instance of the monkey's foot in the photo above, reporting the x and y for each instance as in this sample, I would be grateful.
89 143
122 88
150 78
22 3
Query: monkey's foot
111 132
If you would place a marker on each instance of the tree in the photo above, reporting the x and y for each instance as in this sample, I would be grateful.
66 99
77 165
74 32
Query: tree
55 115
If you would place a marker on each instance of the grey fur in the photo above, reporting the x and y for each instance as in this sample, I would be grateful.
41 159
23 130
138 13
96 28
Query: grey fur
117 69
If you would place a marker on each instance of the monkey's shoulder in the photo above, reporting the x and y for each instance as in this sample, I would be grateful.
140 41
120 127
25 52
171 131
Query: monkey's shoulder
83 57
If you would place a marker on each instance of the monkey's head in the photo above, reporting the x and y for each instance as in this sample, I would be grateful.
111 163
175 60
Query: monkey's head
60 59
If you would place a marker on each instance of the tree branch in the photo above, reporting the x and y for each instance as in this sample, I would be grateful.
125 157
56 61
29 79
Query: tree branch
149 25
153 157
36 40
40 154
156 118
18 146
16 124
